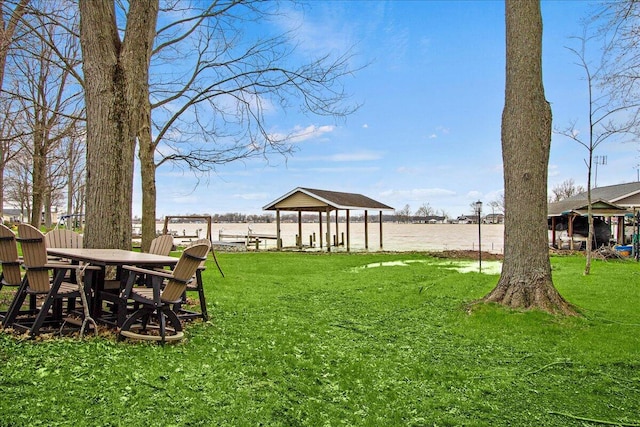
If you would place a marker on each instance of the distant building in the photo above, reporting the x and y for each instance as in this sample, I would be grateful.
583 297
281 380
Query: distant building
467 219
430 219
611 204
12 215
625 195
494 218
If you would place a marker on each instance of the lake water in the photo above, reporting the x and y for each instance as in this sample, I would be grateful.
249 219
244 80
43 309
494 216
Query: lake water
395 237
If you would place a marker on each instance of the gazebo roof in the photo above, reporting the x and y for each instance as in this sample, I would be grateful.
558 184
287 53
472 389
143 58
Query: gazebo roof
308 199
579 206
619 194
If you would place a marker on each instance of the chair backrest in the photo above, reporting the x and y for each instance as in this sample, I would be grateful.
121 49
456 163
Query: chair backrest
200 242
161 245
34 254
184 271
9 257
63 238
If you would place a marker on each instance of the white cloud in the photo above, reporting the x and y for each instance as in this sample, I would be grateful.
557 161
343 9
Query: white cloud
492 196
418 193
359 156
409 170
440 130
185 200
251 196
229 104
475 195
319 32
365 126
346 169
356 156
300 134
171 173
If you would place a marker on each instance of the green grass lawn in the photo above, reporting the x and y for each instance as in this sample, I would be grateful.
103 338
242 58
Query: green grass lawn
317 340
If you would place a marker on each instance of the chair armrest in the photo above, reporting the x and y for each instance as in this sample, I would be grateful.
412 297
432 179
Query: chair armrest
60 265
158 273
134 272
89 267
64 265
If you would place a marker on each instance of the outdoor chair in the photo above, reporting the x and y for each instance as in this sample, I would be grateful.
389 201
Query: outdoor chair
194 285
37 281
66 238
157 301
11 274
63 238
161 245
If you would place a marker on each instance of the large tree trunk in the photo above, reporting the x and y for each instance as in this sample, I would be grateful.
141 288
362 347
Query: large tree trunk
146 152
38 173
526 281
116 78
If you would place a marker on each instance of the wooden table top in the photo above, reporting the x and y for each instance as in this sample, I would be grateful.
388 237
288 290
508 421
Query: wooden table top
112 256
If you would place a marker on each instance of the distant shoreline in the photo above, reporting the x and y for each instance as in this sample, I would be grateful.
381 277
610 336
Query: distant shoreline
395 237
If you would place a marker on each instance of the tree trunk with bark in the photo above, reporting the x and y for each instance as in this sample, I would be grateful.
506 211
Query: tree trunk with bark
7 32
146 152
39 175
70 177
116 82
526 281
591 233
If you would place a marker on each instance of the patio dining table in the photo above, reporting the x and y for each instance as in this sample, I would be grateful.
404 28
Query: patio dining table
104 258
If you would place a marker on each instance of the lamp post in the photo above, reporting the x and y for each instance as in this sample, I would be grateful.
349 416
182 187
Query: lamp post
478 211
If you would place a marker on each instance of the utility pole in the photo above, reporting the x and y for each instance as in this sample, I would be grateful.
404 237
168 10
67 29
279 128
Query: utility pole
598 160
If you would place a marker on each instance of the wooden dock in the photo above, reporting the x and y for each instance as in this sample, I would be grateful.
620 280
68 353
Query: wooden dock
248 239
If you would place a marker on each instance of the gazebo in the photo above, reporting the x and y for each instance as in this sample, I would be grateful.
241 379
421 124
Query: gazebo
323 201
569 210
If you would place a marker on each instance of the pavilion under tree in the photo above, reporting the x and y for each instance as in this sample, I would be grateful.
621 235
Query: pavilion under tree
324 202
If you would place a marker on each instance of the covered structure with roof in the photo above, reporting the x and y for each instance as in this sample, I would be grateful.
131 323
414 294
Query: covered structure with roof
324 202
613 201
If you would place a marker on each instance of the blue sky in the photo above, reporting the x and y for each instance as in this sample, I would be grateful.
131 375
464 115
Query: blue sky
428 130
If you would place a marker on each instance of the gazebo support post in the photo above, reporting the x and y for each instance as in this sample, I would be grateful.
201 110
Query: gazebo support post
320 222
366 230
348 232
337 239
570 230
620 233
380 229
299 242
328 229
278 239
